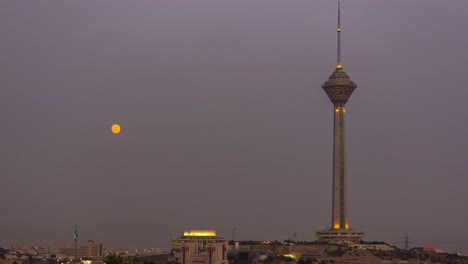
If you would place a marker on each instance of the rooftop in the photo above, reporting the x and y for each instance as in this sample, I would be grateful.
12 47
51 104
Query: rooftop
200 233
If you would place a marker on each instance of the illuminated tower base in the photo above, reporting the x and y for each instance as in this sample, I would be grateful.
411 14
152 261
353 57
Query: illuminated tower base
340 236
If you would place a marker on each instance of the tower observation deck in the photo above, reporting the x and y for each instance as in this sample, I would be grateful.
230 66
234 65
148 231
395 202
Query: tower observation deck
339 88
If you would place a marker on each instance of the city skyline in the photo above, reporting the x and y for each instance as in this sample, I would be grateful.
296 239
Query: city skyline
224 123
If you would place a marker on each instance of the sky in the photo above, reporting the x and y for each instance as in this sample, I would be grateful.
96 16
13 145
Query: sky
224 121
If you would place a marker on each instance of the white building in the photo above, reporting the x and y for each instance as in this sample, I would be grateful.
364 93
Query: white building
382 247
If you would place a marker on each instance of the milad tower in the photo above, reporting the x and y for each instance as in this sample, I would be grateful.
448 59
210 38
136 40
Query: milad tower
339 88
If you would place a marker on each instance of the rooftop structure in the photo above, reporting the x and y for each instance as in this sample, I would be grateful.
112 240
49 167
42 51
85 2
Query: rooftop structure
200 233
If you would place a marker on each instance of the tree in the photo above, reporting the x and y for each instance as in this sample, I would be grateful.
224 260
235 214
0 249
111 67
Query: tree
307 261
131 260
113 259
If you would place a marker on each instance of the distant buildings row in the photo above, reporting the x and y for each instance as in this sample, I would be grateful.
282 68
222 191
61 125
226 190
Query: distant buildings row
206 247
89 251
32 255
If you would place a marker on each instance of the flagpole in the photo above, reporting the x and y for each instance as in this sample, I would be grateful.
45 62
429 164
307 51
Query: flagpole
75 249
75 234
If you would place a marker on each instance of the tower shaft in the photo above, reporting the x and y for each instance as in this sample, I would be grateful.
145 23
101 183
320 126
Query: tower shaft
339 207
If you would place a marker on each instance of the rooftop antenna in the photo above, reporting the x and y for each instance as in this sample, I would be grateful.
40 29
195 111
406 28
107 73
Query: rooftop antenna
338 59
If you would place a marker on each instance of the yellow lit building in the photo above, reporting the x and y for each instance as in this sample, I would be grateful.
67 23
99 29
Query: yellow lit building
200 247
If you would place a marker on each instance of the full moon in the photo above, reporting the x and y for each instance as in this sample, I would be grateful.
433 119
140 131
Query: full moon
115 128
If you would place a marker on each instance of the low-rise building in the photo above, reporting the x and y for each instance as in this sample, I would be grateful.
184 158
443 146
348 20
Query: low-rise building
200 247
90 250
382 247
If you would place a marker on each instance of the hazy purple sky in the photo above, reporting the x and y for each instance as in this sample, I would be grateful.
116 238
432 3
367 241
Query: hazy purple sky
224 121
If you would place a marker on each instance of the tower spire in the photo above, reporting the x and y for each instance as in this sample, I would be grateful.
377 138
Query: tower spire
338 60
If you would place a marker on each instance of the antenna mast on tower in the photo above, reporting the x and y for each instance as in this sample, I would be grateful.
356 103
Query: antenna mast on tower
338 30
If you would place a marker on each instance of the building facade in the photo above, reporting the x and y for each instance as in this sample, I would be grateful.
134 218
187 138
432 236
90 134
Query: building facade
89 251
381 247
200 247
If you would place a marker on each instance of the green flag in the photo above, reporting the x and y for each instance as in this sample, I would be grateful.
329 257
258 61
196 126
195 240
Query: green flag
76 232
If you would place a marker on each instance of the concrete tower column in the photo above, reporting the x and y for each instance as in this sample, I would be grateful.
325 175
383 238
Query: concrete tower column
340 209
